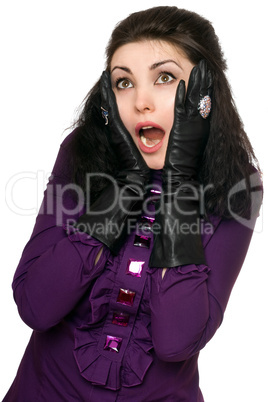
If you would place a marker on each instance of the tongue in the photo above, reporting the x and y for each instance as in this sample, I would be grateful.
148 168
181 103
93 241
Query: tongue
151 136
153 133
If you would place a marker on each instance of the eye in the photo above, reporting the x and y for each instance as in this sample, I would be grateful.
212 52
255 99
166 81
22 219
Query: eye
165 78
123 83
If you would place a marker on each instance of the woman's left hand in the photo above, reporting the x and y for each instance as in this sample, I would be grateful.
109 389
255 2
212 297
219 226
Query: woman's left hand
190 131
179 240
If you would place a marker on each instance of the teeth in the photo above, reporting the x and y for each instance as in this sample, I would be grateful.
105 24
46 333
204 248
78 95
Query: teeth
147 127
144 141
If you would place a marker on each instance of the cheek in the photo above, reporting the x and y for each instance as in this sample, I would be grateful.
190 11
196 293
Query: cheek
168 110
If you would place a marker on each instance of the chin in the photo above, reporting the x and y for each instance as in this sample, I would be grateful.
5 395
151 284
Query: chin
154 161
155 165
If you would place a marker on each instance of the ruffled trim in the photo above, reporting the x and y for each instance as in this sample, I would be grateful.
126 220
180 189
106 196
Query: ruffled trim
177 274
186 269
108 373
88 254
138 358
104 368
93 366
107 369
183 269
75 235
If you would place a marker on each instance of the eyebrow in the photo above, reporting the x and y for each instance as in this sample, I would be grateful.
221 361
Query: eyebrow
152 67
160 63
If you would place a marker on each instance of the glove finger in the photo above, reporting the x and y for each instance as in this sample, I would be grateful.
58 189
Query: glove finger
104 86
120 138
204 82
179 114
110 105
108 100
180 95
193 91
210 83
180 99
206 89
206 78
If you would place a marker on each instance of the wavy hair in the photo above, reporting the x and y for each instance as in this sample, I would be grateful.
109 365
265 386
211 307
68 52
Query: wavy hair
229 156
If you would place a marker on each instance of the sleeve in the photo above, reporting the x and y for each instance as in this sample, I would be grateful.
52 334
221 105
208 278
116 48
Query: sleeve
57 264
188 304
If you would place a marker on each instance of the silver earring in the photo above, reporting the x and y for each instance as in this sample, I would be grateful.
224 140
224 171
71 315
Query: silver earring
105 114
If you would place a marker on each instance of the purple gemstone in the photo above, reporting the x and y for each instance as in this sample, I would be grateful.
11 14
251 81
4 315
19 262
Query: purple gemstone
147 219
120 319
134 267
112 343
155 191
126 297
147 223
142 241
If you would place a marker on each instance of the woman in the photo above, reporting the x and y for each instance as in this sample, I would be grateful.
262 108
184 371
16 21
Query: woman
144 226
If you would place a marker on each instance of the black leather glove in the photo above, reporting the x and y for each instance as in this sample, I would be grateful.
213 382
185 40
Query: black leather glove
107 218
178 242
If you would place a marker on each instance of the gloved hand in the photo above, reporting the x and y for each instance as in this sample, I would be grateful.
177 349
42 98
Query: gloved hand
178 242
107 218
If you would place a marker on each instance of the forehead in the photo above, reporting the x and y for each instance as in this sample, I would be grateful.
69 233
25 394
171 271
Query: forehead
147 51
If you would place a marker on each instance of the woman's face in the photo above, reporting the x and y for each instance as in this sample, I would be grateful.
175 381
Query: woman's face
145 76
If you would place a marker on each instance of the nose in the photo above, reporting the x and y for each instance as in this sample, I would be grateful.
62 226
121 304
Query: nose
144 101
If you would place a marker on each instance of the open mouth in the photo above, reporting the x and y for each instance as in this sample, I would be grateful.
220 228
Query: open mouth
150 136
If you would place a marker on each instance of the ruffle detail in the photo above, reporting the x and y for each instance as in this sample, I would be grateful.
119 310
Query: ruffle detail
106 368
97 368
186 269
125 365
100 296
177 274
136 365
138 358
75 235
182 269
89 253
93 366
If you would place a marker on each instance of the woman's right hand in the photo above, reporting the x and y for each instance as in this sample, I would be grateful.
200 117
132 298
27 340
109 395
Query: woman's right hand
129 157
121 198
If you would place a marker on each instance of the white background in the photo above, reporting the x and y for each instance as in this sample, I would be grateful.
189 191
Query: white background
52 52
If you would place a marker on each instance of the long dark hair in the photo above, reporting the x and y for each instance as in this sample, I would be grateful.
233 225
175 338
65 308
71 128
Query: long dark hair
228 157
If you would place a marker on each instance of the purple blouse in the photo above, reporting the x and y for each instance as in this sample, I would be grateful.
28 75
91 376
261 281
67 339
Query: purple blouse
116 330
